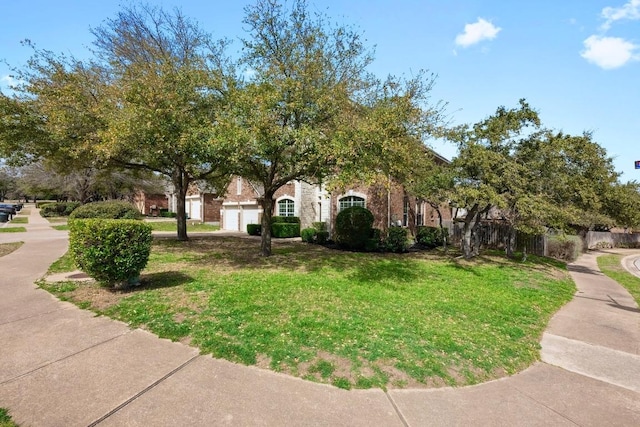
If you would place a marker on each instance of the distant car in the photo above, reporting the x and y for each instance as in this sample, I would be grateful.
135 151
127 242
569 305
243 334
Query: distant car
8 208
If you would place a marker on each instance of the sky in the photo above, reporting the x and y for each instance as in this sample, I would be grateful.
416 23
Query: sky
577 62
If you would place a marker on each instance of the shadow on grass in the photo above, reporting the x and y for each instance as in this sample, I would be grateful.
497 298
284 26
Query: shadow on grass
165 279
238 253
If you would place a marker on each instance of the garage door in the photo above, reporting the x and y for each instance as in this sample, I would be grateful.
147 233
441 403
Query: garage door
230 219
194 212
249 216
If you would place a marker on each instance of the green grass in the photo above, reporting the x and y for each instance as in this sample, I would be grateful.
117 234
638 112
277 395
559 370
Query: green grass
348 319
57 219
5 419
7 248
61 227
172 226
63 264
13 230
20 220
612 267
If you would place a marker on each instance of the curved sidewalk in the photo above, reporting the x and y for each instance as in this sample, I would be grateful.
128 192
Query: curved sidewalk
62 366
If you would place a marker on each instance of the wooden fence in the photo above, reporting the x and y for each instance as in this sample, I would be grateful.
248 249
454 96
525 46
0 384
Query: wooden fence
494 236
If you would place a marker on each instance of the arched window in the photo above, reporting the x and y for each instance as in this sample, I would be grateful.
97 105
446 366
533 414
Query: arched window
286 207
349 201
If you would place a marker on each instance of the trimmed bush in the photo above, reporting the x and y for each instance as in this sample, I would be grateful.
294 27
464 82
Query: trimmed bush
113 252
322 237
396 240
285 219
308 235
111 209
354 227
319 226
566 248
284 229
58 209
431 237
254 229
164 213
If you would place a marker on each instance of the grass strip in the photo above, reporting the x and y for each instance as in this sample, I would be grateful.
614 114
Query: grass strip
60 227
13 230
7 248
20 220
611 266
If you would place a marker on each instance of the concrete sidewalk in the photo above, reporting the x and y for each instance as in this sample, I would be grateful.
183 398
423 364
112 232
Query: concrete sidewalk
62 366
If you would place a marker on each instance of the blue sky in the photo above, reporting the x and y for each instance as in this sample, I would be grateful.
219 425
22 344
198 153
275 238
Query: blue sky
575 61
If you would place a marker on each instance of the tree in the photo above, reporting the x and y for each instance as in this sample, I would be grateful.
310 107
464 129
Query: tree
622 203
168 80
7 182
309 110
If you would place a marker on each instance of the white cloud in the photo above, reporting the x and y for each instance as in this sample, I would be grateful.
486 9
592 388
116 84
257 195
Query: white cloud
477 32
630 10
609 52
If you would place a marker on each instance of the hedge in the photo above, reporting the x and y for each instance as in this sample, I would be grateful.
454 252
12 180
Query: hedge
308 235
284 230
431 237
254 229
285 219
113 252
58 209
397 240
111 209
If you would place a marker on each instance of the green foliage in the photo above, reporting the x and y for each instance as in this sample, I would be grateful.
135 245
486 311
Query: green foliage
164 213
113 252
322 237
396 240
354 227
308 235
58 209
285 219
111 209
564 247
285 229
5 419
319 226
431 237
254 229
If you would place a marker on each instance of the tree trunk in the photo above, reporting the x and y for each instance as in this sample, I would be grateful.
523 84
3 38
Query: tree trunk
267 212
469 225
181 185
445 235
510 244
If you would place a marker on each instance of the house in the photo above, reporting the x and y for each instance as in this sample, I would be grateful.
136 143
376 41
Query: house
149 203
391 205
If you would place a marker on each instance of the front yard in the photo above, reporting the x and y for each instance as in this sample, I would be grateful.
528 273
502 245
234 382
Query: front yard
348 319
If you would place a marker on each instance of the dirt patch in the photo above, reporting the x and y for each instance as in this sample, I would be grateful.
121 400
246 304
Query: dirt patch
7 248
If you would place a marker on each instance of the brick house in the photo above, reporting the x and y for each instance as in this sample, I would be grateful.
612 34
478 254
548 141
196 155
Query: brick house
390 205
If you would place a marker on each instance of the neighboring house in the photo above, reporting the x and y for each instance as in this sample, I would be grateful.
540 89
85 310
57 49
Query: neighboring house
150 204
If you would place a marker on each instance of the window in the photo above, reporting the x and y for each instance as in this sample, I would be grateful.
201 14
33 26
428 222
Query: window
349 201
286 207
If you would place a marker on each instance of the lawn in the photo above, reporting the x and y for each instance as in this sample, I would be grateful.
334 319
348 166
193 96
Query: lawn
193 227
12 230
20 220
347 319
612 267
60 227
7 248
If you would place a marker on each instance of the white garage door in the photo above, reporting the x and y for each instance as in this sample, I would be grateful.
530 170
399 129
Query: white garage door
230 220
195 210
249 216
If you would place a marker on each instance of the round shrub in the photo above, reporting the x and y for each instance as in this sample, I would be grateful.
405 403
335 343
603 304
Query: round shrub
308 235
397 240
322 237
111 209
430 237
58 209
113 252
354 227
